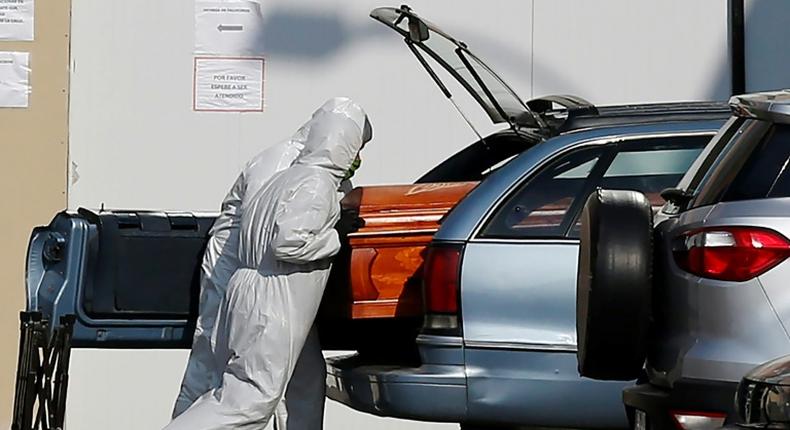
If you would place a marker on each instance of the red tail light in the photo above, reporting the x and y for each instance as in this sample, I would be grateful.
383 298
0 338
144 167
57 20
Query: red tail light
440 280
731 253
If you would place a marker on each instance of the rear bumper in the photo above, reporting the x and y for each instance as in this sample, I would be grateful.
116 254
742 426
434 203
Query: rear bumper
426 393
687 395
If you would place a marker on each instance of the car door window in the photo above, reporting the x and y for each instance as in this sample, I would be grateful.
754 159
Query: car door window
649 172
650 166
541 207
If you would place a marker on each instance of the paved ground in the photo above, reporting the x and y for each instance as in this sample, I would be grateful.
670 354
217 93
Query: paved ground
134 390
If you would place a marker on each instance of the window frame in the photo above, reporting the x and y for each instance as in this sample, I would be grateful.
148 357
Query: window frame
722 170
604 158
609 147
702 166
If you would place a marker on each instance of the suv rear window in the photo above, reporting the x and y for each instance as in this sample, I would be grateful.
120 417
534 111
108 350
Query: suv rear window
752 165
765 173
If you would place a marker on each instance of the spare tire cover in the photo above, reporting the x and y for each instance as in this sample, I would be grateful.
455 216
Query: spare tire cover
614 284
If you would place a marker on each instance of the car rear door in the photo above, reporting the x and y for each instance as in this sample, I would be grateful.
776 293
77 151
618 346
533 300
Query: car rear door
519 279
130 277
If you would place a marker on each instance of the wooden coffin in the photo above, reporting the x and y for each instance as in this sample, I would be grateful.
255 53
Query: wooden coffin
378 273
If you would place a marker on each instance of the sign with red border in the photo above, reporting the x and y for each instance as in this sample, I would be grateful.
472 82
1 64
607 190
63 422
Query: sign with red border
228 84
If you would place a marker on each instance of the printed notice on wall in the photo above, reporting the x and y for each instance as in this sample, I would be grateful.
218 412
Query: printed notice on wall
228 28
16 19
223 84
14 79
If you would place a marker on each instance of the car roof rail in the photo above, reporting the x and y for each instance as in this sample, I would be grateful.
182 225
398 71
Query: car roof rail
574 107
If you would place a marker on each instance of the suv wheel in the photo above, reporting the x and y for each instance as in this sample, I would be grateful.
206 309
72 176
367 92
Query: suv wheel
614 284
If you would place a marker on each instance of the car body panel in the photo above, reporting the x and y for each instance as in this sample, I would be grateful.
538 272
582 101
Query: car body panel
532 299
541 388
427 392
698 337
727 348
771 214
671 332
774 284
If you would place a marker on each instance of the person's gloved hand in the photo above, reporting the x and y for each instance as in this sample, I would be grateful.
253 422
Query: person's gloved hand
349 222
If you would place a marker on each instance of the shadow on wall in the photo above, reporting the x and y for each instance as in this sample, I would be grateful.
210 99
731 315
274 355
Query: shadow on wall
314 35
304 35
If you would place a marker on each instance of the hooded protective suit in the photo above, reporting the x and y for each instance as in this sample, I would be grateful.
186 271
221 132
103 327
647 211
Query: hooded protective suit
286 242
221 260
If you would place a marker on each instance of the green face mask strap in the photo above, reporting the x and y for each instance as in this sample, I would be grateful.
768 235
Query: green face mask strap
353 169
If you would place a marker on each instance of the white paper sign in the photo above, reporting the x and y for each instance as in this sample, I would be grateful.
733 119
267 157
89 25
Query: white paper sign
16 19
228 84
14 79
228 28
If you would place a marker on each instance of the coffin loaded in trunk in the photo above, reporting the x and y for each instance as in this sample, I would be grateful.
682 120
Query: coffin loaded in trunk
379 272
132 277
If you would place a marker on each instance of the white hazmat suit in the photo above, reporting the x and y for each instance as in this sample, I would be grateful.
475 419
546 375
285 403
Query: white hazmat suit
221 260
286 242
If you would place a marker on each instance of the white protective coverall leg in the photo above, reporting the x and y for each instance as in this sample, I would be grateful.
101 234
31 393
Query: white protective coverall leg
221 260
286 243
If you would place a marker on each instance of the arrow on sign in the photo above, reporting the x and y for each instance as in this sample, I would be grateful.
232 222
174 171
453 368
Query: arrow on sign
223 27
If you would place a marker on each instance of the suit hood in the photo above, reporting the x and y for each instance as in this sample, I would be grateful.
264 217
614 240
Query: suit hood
334 136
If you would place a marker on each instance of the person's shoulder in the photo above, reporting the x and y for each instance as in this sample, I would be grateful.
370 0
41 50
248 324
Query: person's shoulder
318 180
307 180
277 156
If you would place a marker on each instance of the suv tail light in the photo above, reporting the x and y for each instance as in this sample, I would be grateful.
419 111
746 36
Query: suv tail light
698 420
441 286
730 253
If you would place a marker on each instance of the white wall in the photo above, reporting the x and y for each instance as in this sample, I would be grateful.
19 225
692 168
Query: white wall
135 143
131 118
625 51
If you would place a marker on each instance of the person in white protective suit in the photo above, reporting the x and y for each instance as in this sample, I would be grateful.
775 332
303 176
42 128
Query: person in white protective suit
287 238
220 261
